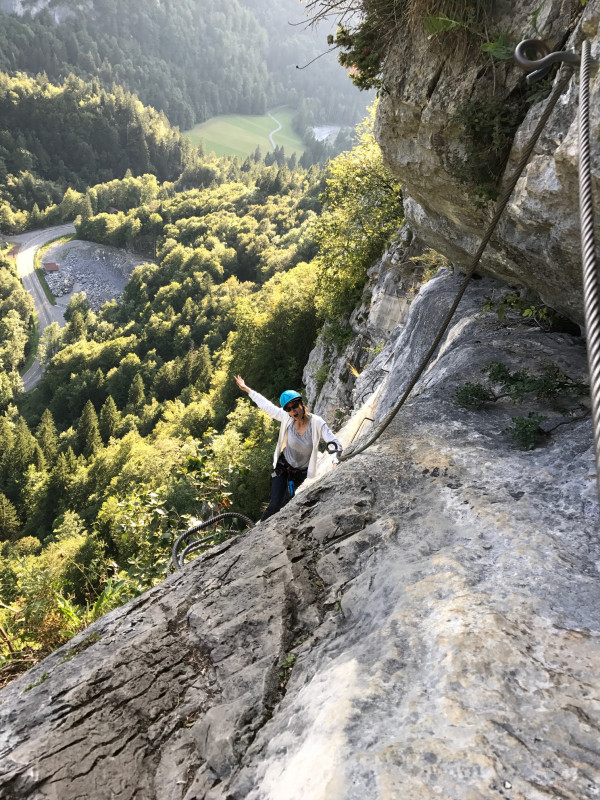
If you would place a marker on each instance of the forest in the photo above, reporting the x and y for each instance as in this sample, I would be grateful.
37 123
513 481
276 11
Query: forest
137 429
77 134
73 136
190 61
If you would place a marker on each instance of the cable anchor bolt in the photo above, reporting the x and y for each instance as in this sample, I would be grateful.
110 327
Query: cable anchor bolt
539 67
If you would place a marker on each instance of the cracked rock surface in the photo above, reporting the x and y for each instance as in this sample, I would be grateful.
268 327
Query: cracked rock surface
427 83
419 623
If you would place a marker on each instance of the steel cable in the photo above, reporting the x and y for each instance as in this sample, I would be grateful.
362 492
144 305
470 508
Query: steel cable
591 280
176 561
502 202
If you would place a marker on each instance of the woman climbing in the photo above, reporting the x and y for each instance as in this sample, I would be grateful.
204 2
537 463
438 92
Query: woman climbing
296 453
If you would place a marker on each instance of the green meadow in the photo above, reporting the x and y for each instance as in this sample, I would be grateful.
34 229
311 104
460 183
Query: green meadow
239 134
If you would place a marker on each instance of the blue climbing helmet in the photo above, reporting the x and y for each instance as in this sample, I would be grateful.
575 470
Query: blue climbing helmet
288 395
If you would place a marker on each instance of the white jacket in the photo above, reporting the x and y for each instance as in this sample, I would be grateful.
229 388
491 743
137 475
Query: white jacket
320 430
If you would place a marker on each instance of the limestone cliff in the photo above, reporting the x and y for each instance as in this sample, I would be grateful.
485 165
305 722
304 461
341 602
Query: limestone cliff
426 83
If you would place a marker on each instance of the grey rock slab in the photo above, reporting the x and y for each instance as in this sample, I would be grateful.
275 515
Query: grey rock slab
106 713
537 243
421 622
391 287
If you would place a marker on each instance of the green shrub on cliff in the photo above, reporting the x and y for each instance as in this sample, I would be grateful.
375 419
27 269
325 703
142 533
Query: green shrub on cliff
362 210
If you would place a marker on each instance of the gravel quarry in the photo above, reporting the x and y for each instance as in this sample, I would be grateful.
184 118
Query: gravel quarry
100 271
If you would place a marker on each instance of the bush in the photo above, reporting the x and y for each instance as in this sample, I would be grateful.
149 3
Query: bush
552 387
526 431
362 210
321 376
473 395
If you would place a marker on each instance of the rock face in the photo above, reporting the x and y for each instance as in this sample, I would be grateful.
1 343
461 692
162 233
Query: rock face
421 622
391 287
537 243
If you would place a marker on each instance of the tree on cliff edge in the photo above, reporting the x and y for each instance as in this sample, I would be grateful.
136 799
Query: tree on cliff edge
362 210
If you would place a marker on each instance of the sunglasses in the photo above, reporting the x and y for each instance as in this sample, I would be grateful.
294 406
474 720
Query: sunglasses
291 406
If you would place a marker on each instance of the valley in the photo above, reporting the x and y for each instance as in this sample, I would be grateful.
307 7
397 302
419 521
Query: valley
241 134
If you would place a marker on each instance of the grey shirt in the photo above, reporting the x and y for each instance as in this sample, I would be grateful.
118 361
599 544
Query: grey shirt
298 449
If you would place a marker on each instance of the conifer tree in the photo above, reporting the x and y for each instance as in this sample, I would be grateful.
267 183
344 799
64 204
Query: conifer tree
38 460
137 393
35 217
47 436
88 434
85 208
75 329
6 444
60 480
9 520
70 459
21 455
97 390
110 419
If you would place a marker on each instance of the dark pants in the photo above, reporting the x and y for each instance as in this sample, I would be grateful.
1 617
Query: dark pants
279 494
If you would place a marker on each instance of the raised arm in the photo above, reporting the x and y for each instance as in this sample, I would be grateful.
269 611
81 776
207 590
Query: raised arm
265 405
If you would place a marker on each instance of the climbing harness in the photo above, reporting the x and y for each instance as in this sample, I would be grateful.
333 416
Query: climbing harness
178 559
293 475
539 68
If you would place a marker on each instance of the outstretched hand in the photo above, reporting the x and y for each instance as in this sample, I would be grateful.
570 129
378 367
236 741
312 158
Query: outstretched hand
240 382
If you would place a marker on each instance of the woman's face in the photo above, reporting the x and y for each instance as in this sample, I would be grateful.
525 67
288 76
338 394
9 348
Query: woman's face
295 409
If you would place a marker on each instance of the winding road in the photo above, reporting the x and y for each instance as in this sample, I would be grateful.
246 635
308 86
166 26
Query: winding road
273 145
46 312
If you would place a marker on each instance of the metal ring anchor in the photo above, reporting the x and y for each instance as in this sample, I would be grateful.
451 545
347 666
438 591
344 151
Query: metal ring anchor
540 67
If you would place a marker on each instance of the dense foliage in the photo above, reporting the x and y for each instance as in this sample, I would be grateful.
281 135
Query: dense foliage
76 134
16 323
137 427
362 210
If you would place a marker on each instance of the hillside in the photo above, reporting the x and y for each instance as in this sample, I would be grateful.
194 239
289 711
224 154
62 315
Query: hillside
137 427
191 61
59 138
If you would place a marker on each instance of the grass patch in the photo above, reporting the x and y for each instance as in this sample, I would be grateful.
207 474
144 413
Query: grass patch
81 647
39 682
240 135
42 279
37 263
